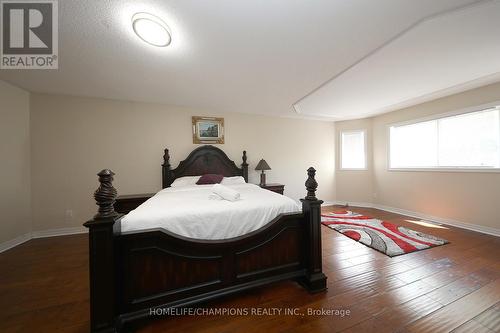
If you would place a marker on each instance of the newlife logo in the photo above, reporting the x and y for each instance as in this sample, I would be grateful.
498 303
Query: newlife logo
29 34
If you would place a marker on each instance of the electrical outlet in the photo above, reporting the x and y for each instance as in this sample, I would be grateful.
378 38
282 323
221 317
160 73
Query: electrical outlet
68 216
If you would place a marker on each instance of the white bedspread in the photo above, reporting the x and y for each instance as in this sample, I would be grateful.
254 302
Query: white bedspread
188 211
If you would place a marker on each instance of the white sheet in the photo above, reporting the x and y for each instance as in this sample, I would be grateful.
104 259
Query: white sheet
188 211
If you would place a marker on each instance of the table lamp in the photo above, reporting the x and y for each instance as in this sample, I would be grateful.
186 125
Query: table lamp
262 165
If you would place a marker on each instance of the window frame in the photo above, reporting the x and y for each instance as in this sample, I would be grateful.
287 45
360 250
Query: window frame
364 131
463 111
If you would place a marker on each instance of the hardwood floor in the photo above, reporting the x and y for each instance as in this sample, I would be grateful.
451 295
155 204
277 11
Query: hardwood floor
452 288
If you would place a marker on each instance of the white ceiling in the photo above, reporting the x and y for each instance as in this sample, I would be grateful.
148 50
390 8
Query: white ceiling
262 56
444 54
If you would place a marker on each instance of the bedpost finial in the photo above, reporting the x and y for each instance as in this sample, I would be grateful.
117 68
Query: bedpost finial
244 157
105 195
311 184
166 157
244 166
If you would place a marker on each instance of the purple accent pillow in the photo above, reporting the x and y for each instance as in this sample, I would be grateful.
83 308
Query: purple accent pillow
209 179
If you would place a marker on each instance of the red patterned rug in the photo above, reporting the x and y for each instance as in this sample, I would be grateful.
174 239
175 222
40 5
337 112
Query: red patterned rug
388 238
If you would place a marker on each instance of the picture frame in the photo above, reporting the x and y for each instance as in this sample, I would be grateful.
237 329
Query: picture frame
208 130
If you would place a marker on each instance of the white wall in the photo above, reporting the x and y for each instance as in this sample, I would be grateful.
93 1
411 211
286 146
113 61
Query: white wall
15 202
73 138
468 197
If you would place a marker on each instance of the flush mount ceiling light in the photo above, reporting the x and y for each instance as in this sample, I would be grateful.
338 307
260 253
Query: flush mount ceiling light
151 29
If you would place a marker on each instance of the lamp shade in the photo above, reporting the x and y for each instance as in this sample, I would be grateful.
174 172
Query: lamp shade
262 165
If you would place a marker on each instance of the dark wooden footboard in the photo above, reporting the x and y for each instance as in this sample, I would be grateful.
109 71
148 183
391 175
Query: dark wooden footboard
133 273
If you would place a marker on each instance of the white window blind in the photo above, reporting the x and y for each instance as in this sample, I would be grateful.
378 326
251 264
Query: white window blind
353 153
467 141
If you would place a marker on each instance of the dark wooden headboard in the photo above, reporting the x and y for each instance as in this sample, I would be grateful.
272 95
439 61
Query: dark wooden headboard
203 160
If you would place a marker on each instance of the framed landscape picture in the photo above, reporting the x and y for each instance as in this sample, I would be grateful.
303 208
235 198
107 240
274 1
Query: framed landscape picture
208 130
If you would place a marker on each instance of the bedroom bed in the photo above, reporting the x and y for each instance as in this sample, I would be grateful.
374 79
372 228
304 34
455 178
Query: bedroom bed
181 248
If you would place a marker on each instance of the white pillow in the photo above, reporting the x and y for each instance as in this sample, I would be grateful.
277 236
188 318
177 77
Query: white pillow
233 180
185 181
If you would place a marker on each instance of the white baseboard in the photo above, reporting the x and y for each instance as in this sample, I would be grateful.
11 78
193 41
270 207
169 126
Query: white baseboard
353 203
454 223
14 242
40 234
58 232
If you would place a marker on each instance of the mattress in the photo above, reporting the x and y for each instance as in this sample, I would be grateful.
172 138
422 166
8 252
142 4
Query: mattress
188 211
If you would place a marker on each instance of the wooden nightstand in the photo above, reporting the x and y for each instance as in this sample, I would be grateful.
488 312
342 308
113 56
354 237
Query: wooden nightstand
125 203
278 188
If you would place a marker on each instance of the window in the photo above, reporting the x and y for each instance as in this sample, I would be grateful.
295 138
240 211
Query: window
353 150
465 141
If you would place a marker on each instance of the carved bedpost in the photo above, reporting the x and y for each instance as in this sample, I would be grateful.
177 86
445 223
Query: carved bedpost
101 256
105 195
244 165
166 173
311 207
